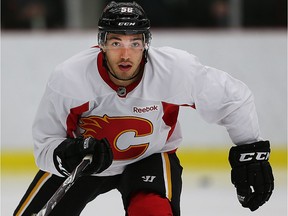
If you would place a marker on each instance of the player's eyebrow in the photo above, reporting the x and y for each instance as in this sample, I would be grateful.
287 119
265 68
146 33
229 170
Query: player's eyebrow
115 37
138 38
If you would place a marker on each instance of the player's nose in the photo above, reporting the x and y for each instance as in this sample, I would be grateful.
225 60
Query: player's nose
125 54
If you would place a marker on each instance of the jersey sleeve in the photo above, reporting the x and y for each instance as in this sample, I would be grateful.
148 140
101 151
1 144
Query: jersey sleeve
222 99
66 89
48 132
218 97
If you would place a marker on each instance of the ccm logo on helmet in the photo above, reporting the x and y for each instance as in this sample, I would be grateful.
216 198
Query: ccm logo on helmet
257 155
126 24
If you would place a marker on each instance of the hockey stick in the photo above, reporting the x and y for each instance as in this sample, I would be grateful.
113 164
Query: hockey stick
57 196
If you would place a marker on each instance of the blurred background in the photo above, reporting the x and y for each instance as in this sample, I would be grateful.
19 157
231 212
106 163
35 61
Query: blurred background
246 38
65 14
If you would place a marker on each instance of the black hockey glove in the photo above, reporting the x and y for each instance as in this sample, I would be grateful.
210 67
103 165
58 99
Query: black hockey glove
71 151
252 174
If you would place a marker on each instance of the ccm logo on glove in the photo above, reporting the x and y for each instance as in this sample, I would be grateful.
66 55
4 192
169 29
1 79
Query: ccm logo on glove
251 173
259 156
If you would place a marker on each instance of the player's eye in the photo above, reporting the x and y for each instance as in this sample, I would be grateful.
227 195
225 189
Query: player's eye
115 44
135 44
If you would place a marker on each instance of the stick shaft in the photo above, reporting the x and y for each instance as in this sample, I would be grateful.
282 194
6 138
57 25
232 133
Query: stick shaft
61 191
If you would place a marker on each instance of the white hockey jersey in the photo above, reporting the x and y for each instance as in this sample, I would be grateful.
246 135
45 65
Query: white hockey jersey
140 119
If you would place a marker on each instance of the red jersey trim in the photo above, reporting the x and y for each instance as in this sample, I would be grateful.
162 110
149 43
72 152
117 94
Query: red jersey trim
170 116
73 118
104 74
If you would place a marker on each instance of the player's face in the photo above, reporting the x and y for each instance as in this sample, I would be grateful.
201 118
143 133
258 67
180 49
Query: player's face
124 54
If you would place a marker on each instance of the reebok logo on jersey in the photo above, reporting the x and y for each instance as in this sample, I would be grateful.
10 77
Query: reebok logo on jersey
145 109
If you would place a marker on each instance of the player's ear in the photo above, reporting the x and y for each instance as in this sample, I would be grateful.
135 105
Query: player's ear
102 48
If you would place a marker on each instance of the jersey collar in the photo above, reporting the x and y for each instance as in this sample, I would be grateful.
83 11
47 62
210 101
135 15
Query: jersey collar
120 90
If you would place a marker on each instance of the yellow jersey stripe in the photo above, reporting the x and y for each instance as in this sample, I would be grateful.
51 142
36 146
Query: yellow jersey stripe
33 193
167 175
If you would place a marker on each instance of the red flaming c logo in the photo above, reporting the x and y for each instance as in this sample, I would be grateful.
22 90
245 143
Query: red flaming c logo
125 134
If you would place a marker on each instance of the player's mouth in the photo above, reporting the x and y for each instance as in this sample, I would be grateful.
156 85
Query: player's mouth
124 66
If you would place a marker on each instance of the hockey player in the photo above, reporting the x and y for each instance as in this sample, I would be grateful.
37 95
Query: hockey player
119 102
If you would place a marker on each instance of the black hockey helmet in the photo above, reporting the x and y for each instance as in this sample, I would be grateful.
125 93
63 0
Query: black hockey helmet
124 18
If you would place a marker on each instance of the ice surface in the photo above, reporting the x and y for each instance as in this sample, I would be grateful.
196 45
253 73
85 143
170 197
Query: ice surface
205 193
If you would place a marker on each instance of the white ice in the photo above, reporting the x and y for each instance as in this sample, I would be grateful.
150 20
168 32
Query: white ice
204 193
